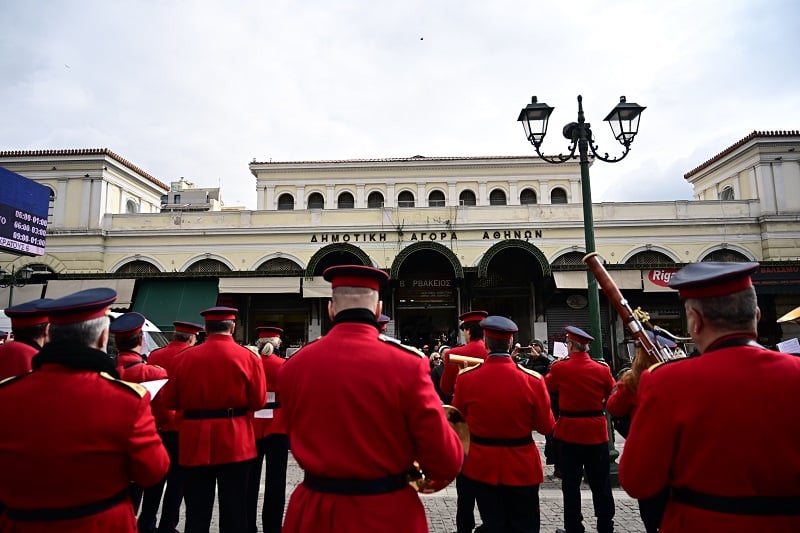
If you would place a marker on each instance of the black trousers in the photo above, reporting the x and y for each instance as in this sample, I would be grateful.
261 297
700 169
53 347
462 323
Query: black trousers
652 510
275 450
465 504
573 459
172 497
508 509
230 480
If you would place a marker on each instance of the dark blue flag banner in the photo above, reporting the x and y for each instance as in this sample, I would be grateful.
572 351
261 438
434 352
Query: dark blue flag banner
23 214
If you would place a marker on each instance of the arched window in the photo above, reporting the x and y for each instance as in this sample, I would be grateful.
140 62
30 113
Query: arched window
346 201
208 266
138 267
375 200
726 193
280 266
405 199
285 202
467 197
527 197
131 206
648 258
436 199
569 259
316 201
497 197
726 256
558 196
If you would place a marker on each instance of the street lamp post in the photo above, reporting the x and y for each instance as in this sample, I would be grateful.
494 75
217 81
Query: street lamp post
624 122
14 279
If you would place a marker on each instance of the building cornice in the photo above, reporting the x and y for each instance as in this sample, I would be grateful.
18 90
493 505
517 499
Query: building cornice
729 150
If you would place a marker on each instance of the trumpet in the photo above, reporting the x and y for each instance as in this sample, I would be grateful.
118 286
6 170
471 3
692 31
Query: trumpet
464 360
416 476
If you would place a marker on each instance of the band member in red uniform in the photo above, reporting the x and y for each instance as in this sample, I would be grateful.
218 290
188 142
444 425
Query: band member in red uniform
185 335
127 331
470 325
272 444
687 432
583 385
217 385
356 428
68 456
29 325
503 404
622 405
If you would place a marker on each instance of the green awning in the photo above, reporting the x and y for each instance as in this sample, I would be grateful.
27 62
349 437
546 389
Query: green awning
165 301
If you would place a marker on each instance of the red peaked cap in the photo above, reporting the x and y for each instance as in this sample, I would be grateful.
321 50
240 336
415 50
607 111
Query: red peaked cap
80 306
473 316
498 327
28 314
707 279
215 314
127 325
268 331
355 276
187 327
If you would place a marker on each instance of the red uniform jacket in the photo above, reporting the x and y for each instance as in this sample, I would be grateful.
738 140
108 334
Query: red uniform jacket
357 406
276 424
502 400
582 384
725 423
474 348
15 358
622 401
133 368
81 437
218 374
166 419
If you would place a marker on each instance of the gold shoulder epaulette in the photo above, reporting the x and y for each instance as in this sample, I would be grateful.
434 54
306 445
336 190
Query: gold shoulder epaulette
600 361
671 361
12 379
529 371
394 342
469 368
133 387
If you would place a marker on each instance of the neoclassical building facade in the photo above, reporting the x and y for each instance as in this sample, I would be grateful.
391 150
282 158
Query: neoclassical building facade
503 234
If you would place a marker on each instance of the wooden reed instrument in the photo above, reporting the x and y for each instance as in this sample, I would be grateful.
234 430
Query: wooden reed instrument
656 354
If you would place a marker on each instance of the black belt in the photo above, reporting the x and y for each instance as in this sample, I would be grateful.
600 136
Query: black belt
739 505
510 442
203 414
355 487
67 513
581 414
273 405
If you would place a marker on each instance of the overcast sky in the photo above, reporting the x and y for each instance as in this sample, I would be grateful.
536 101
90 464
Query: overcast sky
200 88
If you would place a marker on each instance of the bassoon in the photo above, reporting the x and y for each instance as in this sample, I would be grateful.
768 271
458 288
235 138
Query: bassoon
655 353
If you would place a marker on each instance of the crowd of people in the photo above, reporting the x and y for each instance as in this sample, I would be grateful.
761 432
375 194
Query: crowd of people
91 442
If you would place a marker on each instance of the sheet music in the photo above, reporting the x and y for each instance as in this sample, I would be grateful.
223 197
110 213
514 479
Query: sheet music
266 413
153 386
790 346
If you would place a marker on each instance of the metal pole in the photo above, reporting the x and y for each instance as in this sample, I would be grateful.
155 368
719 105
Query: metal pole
588 228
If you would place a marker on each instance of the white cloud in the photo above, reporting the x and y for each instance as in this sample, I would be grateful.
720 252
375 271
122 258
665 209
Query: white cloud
198 89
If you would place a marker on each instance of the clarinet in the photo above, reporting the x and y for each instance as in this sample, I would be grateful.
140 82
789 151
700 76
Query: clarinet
656 354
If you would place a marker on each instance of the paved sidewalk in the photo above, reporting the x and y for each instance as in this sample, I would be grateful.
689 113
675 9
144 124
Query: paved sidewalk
441 507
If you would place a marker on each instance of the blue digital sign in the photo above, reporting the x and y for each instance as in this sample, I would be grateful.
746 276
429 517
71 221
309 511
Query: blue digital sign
23 214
